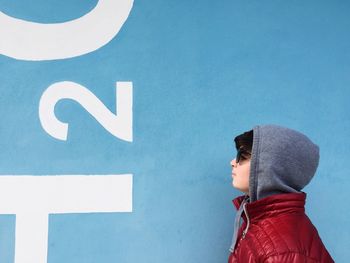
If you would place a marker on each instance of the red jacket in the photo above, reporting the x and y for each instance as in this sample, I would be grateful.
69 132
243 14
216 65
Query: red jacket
278 231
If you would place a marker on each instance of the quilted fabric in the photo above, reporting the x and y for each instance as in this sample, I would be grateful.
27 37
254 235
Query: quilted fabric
278 231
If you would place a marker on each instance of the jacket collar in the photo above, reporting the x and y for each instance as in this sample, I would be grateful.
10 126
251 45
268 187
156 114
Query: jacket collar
273 205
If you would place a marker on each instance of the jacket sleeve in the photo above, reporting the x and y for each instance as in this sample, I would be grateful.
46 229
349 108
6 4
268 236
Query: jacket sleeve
290 257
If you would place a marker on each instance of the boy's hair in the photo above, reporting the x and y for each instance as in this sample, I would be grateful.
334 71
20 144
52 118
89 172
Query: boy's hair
245 140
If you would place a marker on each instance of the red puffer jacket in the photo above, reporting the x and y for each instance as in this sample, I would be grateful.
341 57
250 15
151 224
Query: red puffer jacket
278 231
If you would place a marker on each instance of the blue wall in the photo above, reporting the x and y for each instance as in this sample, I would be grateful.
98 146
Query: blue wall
202 72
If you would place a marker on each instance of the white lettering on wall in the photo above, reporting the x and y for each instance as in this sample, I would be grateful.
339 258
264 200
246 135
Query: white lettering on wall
33 198
119 124
27 40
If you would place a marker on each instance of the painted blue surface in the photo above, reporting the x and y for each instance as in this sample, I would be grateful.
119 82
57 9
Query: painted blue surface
202 72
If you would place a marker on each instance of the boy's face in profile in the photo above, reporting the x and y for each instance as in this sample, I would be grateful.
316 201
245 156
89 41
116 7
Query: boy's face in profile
240 174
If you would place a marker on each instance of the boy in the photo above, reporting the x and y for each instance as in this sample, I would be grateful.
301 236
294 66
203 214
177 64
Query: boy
273 164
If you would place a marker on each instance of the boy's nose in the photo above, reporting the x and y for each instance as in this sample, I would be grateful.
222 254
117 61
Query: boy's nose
233 162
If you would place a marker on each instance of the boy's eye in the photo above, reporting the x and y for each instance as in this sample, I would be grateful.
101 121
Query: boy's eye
244 156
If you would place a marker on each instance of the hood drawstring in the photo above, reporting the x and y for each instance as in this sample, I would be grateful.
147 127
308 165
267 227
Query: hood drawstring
241 209
248 222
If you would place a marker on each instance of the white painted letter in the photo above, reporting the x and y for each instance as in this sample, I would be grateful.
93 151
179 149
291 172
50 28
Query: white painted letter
33 198
119 125
27 40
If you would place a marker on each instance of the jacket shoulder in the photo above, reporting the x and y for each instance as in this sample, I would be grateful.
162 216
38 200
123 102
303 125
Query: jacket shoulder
291 236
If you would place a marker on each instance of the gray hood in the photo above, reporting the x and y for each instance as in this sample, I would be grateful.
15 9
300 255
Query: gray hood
283 161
